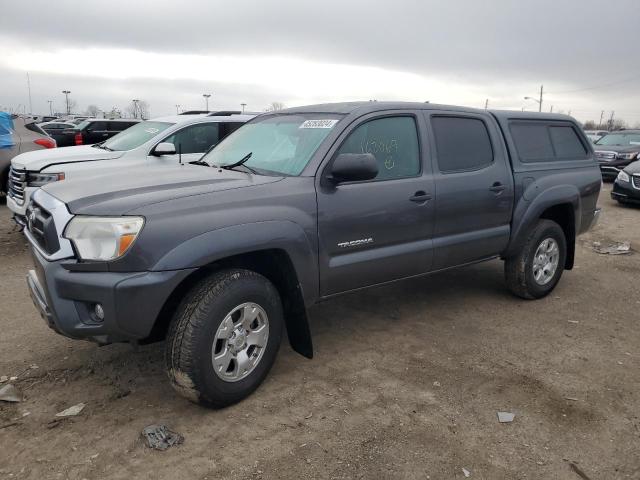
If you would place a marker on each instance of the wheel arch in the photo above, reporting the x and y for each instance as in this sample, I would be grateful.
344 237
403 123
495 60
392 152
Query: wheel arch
560 204
276 265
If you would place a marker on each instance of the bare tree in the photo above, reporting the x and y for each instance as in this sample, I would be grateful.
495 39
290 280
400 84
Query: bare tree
589 125
92 110
138 109
617 124
275 106
143 109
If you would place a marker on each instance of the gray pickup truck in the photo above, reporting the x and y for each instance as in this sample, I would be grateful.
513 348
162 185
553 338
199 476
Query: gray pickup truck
219 256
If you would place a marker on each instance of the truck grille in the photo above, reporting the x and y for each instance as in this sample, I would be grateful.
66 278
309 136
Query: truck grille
635 181
605 156
42 228
17 184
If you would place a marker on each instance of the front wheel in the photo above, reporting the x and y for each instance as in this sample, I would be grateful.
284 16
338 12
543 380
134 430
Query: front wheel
536 269
224 338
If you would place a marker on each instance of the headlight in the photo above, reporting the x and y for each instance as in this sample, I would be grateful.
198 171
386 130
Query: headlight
40 179
623 176
103 238
627 156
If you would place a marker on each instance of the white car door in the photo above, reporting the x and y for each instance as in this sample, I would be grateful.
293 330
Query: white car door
191 143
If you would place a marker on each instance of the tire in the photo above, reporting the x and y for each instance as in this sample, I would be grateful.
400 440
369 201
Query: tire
194 340
519 269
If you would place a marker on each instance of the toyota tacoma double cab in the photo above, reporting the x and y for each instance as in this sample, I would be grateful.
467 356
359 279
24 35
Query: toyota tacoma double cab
297 206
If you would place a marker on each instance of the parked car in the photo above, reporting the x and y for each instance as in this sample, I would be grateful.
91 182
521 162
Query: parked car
56 131
44 118
617 150
95 130
162 141
626 188
18 134
298 206
595 135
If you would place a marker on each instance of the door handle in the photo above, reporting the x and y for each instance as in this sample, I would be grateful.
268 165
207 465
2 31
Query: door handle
497 187
420 197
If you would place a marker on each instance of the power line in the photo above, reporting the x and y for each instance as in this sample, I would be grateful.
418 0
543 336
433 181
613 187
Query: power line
594 87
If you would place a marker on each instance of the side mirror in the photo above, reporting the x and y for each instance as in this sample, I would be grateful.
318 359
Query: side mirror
164 148
353 167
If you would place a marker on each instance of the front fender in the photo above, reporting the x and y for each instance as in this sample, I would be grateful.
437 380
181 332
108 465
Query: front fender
528 212
215 245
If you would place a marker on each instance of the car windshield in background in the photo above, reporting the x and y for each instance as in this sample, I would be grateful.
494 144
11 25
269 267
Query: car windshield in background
281 144
620 139
135 136
82 125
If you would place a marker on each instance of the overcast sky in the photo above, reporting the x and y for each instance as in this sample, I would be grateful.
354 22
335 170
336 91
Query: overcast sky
585 52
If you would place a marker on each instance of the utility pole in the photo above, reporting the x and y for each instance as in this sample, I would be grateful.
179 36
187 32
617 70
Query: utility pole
29 88
611 120
177 109
536 100
243 105
66 95
541 89
206 99
486 104
50 107
551 109
601 117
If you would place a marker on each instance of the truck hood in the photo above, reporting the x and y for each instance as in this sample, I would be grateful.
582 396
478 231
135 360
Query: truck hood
119 192
633 168
39 159
617 148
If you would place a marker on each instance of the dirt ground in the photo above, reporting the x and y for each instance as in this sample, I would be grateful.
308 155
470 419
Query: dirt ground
406 383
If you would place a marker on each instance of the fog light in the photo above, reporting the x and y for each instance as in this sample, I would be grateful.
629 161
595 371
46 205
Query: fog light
99 311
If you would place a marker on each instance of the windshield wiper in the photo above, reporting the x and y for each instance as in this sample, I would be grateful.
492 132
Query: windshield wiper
101 145
199 162
240 162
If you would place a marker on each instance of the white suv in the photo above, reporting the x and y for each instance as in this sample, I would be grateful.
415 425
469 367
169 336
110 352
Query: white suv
161 141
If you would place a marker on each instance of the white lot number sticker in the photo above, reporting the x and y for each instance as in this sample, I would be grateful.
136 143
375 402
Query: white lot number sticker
152 130
327 123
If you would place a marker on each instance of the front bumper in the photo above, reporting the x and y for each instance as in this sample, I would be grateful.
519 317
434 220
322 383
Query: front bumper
18 209
610 170
131 301
625 192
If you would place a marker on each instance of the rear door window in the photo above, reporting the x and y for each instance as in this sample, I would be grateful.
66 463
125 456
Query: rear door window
95 126
462 143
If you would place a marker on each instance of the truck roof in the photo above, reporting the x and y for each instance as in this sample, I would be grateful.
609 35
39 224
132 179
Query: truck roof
186 118
375 106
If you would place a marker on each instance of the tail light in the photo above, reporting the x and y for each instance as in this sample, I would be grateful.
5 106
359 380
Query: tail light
46 142
78 138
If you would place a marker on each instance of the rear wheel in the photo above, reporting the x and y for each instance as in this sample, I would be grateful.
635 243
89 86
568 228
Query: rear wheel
536 269
224 338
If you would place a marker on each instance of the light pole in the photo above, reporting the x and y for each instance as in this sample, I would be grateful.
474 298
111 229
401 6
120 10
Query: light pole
66 96
206 99
178 109
135 108
539 101
50 107
243 105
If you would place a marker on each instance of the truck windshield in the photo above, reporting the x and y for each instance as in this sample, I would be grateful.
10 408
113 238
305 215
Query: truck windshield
620 139
135 136
280 143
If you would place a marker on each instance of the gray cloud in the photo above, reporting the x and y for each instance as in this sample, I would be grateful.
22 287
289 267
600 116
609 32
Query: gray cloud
508 47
